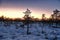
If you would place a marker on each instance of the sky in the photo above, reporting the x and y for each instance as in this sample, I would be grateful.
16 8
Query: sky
15 8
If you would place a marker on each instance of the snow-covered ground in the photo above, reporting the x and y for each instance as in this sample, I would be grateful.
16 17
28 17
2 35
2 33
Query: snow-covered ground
16 31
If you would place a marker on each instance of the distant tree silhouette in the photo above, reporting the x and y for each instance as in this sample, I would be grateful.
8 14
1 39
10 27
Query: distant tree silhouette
51 20
52 17
56 15
43 16
1 18
43 21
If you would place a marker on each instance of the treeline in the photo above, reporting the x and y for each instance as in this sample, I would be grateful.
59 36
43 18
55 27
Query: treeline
55 17
2 18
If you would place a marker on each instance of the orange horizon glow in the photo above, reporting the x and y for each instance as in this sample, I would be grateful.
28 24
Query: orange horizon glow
18 13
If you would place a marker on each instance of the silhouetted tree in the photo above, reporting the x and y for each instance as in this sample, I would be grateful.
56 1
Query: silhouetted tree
43 16
27 19
51 20
55 15
43 21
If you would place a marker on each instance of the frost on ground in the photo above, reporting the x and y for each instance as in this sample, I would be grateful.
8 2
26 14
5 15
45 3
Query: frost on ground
16 31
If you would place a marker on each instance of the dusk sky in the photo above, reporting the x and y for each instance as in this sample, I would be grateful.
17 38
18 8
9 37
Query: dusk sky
15 8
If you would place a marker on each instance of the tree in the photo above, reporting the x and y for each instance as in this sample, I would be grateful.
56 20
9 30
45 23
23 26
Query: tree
43 16
55 15
27 19
43 21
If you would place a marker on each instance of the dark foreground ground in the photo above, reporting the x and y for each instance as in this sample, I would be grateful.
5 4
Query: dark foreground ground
37 31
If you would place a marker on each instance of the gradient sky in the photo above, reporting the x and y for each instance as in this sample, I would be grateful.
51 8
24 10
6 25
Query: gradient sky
15 8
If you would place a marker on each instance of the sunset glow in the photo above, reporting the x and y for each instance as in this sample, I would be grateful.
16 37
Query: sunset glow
17 13
15 8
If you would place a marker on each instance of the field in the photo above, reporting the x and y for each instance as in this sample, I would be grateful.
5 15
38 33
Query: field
36 31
